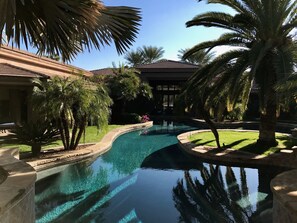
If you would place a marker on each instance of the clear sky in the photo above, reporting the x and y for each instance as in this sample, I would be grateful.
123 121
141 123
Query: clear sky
162 25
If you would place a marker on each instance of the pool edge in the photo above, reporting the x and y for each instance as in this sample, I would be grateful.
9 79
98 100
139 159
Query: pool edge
90 151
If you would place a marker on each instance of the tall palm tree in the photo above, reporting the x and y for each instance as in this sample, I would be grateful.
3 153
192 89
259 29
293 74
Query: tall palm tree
152 53
144 55
71 103
135 58
199 57
263 31
66 27
207 91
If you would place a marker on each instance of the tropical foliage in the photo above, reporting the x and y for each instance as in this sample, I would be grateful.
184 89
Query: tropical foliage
200 57
71 103
134 57
126 85
152 54
66 27
144 55
211 98
36 134
266 54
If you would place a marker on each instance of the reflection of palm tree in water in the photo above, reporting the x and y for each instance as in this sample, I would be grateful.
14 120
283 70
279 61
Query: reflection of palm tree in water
83 197
209 201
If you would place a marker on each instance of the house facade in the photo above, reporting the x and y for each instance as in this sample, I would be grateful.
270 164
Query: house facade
166 78
18 70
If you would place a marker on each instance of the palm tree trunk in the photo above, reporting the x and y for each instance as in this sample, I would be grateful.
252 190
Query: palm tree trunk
36 149
73 135
211 125
62 134
123 106
65 127
82 128
268 118
268 127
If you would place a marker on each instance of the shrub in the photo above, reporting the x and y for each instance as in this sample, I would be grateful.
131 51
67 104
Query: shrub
130 118
145 118
34 134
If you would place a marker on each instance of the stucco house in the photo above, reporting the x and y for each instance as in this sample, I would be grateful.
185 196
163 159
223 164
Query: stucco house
18 69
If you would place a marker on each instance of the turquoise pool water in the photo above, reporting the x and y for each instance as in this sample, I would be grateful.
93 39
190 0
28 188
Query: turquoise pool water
145 177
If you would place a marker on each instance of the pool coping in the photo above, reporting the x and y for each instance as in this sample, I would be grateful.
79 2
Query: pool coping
17 189
91 150
285 158
284 188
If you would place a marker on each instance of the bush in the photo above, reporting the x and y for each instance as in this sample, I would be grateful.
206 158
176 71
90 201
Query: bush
235 115
130 118
34 134
145 118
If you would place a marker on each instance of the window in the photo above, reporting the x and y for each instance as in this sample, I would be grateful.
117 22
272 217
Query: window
171 87
170 100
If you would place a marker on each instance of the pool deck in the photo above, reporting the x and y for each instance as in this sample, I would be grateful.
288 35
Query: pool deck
58 158
17 189
285 158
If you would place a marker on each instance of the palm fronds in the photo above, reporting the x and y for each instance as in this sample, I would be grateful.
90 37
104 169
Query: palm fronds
67 27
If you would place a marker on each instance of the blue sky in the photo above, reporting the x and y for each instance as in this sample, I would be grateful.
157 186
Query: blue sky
162 25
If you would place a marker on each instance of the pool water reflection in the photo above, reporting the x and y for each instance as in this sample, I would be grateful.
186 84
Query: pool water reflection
145 177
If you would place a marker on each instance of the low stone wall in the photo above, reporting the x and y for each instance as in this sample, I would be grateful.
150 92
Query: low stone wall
97 149
252 125
17 191
284 188
285 158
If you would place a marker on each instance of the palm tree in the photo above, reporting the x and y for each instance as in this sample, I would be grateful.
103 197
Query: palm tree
67 27
134 58
199 57
263 31
71 103
144 55
207 91
152 53
126 85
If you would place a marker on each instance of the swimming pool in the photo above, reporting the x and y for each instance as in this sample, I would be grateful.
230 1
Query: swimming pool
145 177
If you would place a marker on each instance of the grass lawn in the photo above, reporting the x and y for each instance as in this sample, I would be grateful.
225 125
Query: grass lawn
244 141
92 136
